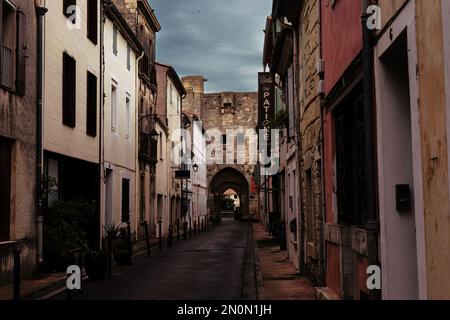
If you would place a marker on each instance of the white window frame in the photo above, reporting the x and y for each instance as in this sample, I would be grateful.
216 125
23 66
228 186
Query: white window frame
114 100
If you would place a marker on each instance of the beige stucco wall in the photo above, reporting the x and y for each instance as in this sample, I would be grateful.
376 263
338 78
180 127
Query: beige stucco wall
432 108
18 123
73 142
162 180
119 153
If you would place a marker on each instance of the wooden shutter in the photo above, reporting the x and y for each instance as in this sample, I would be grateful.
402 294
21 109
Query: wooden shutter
91 105
69 87
125 200
92 21
129 57
21 52
115 33
5 189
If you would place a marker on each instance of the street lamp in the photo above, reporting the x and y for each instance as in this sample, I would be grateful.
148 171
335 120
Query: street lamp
154 135
195 168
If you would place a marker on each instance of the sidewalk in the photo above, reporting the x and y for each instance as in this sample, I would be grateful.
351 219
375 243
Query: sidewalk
44 284
279 276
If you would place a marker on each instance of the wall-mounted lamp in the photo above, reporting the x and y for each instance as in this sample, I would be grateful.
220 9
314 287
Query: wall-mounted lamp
195 168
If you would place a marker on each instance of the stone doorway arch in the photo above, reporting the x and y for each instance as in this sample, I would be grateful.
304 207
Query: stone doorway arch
230 178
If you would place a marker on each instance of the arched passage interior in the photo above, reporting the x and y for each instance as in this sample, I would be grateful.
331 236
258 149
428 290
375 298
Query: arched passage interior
229 178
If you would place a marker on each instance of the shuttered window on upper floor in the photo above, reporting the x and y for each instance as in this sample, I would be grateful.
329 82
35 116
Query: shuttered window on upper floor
91 105
129 58
13 47
92 20
69 91
21 52
115 34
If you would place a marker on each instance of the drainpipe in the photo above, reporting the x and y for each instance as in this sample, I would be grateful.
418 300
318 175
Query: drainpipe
371 225
41 10
323 256
101 111
136 143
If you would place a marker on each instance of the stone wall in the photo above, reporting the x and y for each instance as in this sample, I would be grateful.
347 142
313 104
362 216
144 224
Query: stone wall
18 126
222 111
310 130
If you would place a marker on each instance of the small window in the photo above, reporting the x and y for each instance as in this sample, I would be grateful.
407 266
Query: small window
128 111
69 91
69 9
171 94
8 39
115 34
92 21
178 105
125 200
240 138
224 139
113 106
91 105
129 58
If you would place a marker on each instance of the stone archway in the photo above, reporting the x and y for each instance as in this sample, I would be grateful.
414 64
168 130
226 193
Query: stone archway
230 178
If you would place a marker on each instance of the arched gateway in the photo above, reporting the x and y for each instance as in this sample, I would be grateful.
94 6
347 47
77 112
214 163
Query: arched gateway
229 178
226 111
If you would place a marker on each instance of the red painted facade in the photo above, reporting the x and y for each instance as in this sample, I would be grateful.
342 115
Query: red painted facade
341 44
341 37
334 268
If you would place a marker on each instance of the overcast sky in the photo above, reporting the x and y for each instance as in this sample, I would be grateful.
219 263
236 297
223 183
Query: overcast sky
219 39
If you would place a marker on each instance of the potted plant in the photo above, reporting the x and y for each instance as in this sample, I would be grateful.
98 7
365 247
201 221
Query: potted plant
95 264
120 249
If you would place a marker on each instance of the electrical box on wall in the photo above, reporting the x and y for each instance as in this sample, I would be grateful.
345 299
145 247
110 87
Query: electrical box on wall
403 197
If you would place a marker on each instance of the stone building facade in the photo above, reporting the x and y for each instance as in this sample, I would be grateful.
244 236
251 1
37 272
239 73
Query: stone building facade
142 20
17 137
311 138
225 111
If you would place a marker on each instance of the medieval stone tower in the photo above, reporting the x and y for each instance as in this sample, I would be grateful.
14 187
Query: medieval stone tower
225 111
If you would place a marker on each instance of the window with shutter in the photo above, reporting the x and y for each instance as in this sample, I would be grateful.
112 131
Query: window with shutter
128 114
7 45
92 21
129 57
21 52
91 105
115 33
290 101
113 106
69 87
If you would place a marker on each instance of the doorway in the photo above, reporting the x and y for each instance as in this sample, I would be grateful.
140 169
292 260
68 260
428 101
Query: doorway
397 181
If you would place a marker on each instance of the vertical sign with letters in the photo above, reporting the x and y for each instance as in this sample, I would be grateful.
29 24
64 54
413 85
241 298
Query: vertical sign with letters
266 105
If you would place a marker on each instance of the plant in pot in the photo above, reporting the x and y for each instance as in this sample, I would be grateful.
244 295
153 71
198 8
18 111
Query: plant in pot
121 250
96 264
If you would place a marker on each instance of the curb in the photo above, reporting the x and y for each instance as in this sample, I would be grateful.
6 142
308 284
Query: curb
258 272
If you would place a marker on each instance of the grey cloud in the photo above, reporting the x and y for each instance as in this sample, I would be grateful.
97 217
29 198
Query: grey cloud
220 39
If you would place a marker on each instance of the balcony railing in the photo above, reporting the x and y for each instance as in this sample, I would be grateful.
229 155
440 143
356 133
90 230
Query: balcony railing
148 69
148 148
6 67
